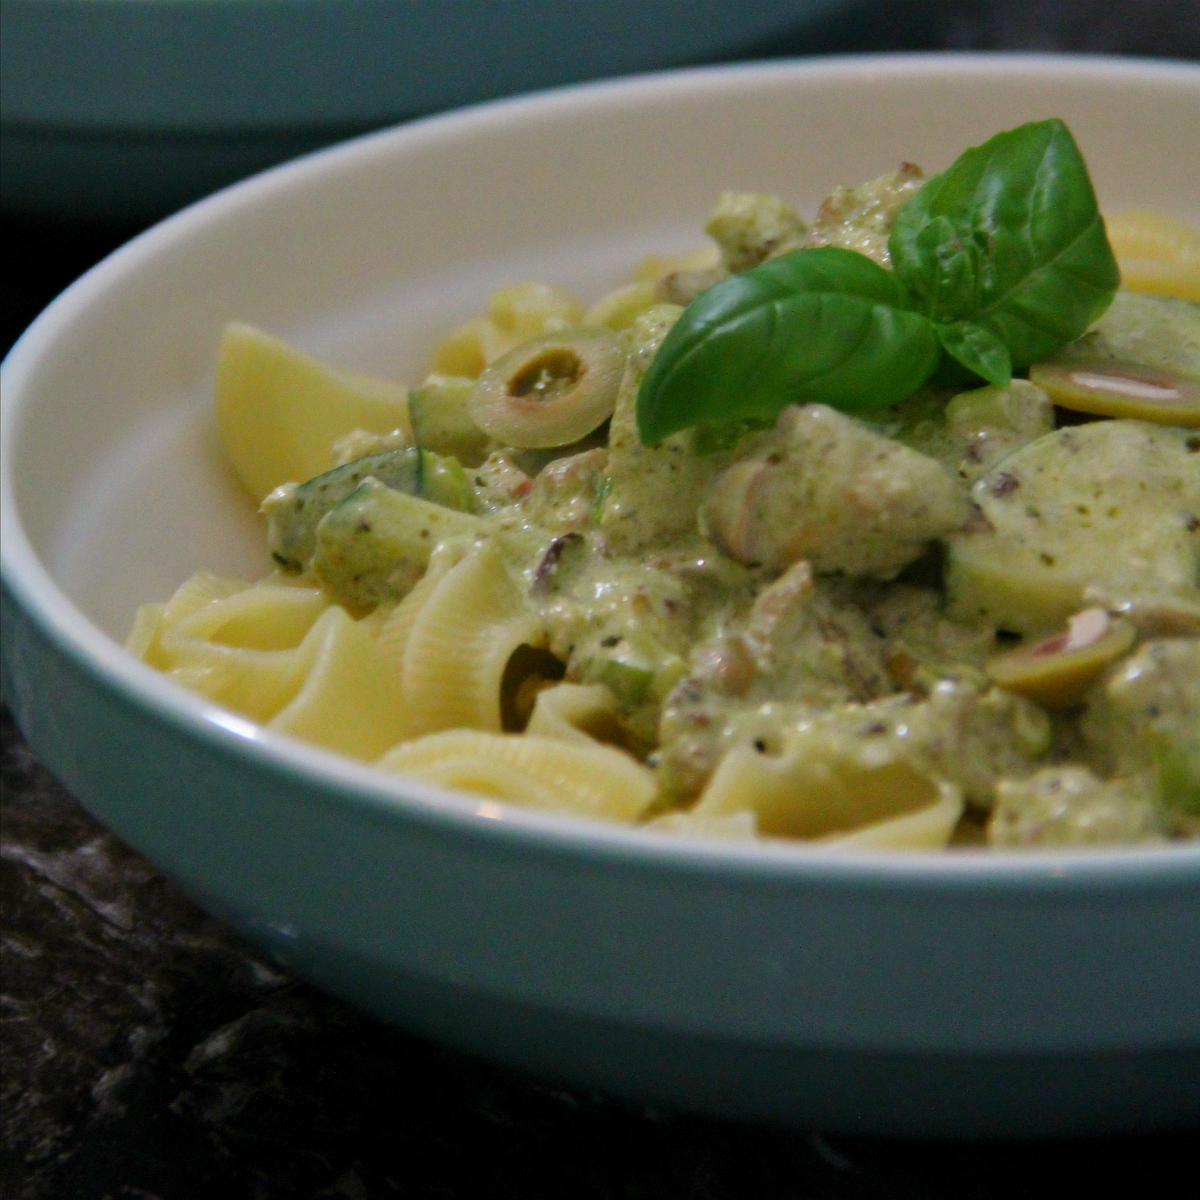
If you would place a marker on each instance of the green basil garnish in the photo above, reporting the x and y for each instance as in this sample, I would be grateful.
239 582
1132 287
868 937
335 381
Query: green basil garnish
827 324
1009 239
996 262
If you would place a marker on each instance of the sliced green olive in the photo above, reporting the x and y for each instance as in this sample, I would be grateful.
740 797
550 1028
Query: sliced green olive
1117 388
551 390
1058 670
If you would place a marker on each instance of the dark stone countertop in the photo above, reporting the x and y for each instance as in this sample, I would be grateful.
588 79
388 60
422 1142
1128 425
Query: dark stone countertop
146 1054
149 1055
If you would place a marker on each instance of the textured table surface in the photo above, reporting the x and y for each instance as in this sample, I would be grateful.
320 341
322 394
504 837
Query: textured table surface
147 1054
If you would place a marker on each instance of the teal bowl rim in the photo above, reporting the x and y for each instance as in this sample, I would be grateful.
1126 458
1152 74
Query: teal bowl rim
343 781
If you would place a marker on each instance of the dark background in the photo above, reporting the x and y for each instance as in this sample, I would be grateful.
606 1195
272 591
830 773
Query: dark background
145 1054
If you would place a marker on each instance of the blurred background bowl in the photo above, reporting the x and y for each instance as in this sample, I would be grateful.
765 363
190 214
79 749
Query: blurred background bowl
128 109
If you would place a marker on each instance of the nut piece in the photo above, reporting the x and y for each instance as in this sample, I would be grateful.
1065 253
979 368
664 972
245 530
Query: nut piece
551 390
1058 671
1116 388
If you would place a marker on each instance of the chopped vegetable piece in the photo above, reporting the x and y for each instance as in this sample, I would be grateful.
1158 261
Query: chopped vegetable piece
1145 717
294 511
1156 332
1100 514
375 545
630 684
442 422
1069 806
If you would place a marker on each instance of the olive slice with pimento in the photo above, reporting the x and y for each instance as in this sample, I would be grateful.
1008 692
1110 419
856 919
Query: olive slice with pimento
1107 387
551 390
1058 670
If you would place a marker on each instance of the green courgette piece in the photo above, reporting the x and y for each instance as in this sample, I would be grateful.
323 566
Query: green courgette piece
375 545
294 511
442 422
630 684
443 481
636 670
1178 769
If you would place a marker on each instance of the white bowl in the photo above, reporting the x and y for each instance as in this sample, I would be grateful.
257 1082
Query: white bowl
955 993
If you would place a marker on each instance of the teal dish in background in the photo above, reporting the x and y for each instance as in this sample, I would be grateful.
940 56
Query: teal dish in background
128 109
932 994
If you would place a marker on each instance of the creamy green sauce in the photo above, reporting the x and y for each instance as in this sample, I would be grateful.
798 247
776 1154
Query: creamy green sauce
843 584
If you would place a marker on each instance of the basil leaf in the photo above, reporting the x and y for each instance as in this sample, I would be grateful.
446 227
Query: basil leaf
979 350
825 325
1010 238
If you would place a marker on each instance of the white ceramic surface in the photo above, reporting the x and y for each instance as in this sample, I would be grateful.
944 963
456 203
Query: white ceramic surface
923 994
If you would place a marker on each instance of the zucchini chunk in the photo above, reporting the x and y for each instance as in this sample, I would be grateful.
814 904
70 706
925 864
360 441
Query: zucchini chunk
442 421
294 511
374 546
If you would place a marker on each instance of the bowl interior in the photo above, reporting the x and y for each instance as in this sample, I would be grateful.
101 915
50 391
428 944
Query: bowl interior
366 253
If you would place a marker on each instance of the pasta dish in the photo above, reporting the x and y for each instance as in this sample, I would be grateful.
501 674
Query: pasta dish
876 530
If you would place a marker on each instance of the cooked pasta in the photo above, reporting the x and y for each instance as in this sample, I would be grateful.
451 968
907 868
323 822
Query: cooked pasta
576 712
580 777
460 644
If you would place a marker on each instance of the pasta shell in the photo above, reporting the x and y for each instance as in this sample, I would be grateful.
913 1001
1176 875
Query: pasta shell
1156 252
575 712
460 643
200 590
143 639
741 825
350 700
469 347
245 647
587 779
812 786
925 829
525 310
264 617
398 624
619 308
256 683
279 410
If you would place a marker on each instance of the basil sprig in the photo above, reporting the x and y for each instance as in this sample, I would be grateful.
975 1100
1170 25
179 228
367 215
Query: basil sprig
996 262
